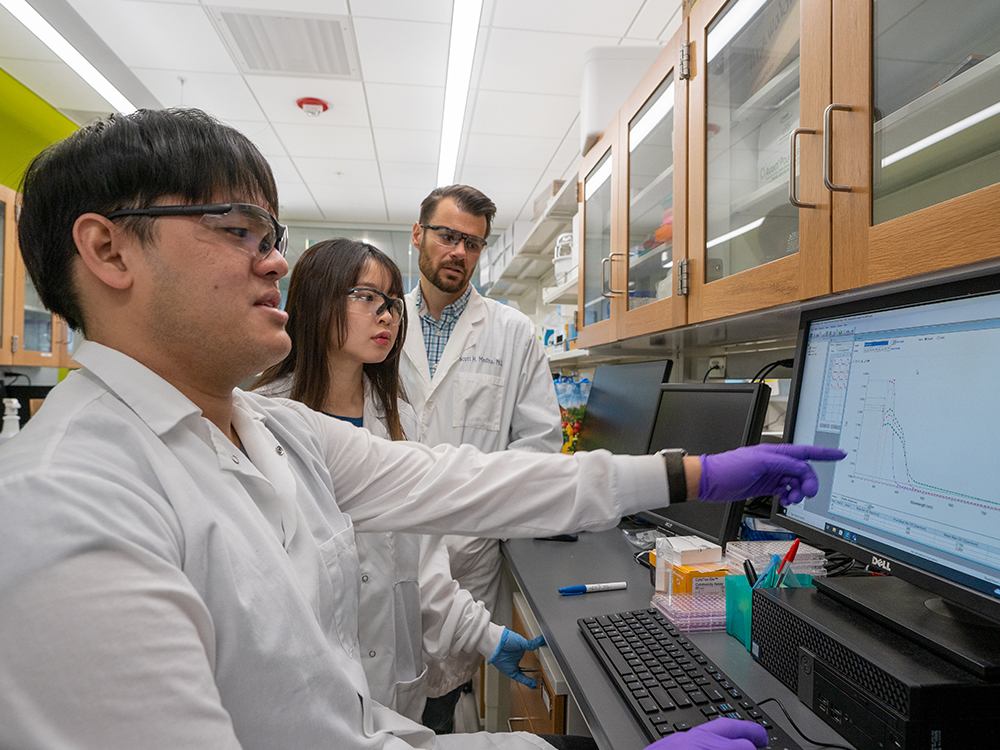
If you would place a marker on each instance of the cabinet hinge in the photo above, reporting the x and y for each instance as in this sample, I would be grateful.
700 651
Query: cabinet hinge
579 192
685 66
13 343
683 271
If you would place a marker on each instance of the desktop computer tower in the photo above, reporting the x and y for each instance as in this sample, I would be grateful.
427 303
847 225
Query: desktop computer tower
878 690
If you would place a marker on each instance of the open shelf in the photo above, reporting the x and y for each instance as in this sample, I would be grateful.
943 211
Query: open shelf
532 259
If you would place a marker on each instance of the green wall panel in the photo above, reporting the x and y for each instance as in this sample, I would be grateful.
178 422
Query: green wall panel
27 125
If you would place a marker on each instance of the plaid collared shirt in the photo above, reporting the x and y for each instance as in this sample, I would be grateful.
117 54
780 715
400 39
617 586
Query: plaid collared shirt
437 332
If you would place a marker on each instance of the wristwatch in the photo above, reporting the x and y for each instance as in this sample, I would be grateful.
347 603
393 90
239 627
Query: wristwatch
676 479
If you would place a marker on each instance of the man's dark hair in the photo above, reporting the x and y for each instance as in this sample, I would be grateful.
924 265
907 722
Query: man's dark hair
128 161
467 198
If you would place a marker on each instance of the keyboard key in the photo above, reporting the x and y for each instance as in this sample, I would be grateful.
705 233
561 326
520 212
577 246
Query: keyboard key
662 698
648 705
679 697
709 711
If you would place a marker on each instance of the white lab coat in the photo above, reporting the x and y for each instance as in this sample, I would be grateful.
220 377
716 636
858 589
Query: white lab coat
159 590
408 603
492 389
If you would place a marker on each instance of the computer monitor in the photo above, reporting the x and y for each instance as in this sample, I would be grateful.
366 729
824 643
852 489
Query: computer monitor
906 385
706 418
622 404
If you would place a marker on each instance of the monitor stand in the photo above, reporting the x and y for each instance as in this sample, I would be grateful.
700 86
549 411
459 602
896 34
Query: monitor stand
955 633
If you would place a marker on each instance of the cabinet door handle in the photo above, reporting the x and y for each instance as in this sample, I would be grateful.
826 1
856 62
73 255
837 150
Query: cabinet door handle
604 282
793 196
827 138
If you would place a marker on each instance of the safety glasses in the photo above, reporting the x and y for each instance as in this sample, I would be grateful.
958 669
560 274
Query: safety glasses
376 302
243 225
448 237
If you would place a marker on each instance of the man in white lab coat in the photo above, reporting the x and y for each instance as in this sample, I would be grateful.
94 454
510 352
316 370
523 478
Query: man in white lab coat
177 557
476 374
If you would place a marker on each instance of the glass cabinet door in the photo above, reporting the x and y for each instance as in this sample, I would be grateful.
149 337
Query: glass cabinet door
752 69
37 322
655 146
760 127
936 103
598 175
651 199
7 256
915 137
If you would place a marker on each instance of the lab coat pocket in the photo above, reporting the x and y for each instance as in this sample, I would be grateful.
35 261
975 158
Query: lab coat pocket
478 398
340 555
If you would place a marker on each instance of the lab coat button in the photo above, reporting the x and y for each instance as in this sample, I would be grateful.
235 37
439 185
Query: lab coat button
279 450
364 579
371 653
236 459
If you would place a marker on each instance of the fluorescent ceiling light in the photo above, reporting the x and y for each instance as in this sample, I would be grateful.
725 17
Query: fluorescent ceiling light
731 25
735 233
597 178
651 118
58 44
461 54
940 135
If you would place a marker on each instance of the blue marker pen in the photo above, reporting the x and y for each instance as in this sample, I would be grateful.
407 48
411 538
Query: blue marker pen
589 588
765 578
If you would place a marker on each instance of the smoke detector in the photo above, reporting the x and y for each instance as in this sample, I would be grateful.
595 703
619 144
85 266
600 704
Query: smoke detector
312 106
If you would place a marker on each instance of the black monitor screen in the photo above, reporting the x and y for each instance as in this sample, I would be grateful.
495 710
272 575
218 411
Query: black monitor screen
906 385
621 407
706 418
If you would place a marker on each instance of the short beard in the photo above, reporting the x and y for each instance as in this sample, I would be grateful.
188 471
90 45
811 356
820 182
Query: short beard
433 275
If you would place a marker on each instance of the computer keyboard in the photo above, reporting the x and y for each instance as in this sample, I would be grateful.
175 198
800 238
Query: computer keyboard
666 681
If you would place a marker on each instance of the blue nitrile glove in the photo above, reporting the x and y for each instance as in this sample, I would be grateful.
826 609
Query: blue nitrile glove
509 652
766 469
719 734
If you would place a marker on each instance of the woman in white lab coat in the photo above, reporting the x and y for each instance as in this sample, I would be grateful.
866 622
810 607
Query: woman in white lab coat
347 324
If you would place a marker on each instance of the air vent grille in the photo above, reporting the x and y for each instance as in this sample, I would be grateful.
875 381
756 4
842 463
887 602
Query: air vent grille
280 43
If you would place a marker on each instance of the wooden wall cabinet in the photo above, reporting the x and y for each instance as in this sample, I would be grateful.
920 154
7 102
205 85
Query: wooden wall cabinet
812 154
31 335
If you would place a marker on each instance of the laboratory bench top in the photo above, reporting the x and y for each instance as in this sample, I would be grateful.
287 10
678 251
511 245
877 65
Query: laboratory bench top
540 568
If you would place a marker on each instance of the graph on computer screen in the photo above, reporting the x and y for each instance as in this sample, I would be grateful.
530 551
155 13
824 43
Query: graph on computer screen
923 438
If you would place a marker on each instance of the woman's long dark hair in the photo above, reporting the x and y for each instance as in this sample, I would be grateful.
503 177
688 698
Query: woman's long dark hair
316 305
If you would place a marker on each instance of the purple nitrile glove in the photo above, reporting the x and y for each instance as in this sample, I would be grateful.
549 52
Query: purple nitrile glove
508 655
719 734
766 469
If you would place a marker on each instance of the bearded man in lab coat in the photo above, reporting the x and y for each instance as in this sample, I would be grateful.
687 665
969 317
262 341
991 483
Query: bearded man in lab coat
476 374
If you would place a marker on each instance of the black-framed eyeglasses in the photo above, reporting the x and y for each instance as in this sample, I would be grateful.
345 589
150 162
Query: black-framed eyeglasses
448 237
249 227
377 302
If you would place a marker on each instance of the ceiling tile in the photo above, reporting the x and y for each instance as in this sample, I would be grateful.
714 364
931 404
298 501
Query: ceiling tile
328 142
655 17
185 39
404 204
339 172
402 52
19 43
262 135
346 99
536 62
348 203
296 203
408 175
224 96
56 84
417 146
500 179
436 11
284 170
510 113
521 152
568 16
409 107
